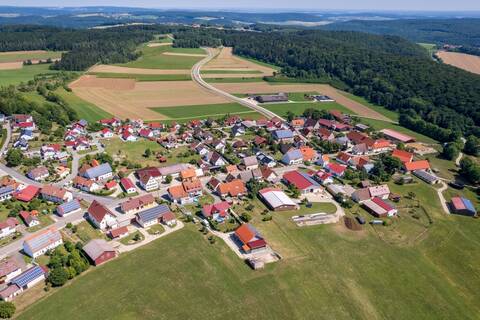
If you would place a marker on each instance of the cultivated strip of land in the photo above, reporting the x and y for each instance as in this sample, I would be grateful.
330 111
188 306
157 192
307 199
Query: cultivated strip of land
463 61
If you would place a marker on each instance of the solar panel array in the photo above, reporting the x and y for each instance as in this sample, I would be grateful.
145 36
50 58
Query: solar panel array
28 276
153 213
68 207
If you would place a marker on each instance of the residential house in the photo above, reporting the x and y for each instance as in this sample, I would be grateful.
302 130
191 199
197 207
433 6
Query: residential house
9 269
381 191
217 212
215 159
283 135
8 227
149 178
68 208
152 216
219 145
99 251
118 233
30 219
402 155
304 183
361 195
324 178
27 194
234 188
98 173
85 184
55 194
266 160
106 133
269 175
250 163
39 243
10 292
6 193
134 205
309 155
336 169
101 216
128 185
38 173
416 165
293 157
238 130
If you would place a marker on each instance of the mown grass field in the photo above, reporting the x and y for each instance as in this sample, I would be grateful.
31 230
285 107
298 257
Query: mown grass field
85 110
382 110
23 56
146 77
230 72
153 58
298 108
14 77
329 273
202 111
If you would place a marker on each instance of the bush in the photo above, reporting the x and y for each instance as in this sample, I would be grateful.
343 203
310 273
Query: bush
58 277
7 310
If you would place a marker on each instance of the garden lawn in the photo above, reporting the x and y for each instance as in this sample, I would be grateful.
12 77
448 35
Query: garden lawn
84 109
14 77
332 274
281 109
133 151
153 58
202 111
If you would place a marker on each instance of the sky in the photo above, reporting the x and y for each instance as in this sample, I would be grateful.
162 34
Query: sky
390 5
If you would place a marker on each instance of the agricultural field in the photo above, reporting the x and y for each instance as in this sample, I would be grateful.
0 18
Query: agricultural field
14 77
145 77
264 87
126 98
463 61
159 58
20 56
202 111
84 109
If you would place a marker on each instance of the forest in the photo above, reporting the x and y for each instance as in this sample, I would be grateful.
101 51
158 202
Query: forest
439 100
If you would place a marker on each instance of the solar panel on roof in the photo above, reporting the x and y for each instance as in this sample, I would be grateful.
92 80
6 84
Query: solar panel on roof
153 213
468 205
69 206
28 276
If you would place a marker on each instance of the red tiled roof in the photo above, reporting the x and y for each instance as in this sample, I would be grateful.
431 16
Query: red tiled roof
98 211
404 156
417 165
118 232
245 233
297 179
27 194
138 202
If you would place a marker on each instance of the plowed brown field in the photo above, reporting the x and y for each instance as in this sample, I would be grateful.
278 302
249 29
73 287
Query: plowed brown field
461 60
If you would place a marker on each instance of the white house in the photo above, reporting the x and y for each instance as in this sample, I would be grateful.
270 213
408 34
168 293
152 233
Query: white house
39 243
101 216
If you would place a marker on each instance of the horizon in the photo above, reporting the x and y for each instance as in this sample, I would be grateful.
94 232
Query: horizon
305 6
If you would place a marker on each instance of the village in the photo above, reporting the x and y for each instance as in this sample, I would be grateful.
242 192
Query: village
217 174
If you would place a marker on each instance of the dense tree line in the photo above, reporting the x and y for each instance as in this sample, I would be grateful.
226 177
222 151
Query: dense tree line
440 101
84 48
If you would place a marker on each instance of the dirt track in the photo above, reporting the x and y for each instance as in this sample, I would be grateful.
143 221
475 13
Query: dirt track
102 68
125 101
262 87
461 60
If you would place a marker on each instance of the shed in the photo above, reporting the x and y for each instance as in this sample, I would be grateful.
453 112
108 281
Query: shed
99 251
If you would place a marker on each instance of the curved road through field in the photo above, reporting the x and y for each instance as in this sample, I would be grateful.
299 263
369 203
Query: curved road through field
244 102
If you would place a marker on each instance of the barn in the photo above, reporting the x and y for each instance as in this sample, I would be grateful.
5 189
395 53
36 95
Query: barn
463 206
99 251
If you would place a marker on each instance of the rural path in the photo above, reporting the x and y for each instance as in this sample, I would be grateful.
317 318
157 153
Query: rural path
8 138
459 158
443 202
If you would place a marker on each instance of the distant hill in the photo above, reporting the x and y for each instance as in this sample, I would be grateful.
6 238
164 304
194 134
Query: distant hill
464 32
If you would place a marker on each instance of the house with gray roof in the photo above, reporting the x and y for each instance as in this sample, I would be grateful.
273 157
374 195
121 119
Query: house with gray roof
292 157
152 216
101 172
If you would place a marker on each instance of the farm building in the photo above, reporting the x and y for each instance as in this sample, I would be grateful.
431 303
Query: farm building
38 244
99 251
68 208
397 136
280 97
10 292
101 172
302 181
118 233
416 165
30 277
250 239
427 177
463 206
402 155
277 200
